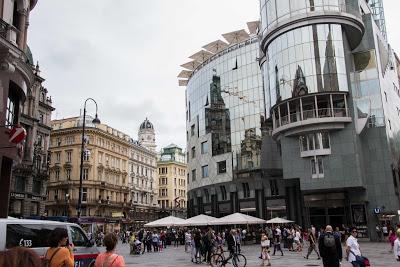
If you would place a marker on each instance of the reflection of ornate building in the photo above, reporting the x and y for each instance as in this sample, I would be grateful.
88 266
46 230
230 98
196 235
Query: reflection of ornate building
16 77
217 120
28 184
250 155
224 126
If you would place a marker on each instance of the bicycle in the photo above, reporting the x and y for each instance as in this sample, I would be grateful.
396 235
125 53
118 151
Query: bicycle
238 260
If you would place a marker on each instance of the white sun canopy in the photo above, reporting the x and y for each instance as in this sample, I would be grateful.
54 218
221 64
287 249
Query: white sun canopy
201 56
167 221
184 74
237 218
216 46
199 220
278 220
236 36
183 82
191 65
253 26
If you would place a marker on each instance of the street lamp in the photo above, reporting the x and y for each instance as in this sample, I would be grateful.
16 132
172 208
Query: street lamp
95 121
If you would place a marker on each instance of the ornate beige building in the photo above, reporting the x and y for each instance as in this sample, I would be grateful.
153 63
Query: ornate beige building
172 181
105 193
118 176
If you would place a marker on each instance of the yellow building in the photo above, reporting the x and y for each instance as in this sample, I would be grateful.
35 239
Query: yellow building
172 181
106 194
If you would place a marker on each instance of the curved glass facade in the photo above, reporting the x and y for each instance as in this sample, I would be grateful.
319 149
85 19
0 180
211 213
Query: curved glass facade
225 99
274 12
306 60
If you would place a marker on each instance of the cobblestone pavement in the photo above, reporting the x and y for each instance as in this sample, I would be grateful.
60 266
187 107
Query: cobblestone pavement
378 253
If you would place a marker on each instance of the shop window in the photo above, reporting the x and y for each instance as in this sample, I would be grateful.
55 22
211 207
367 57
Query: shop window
223 192
274 187
246 190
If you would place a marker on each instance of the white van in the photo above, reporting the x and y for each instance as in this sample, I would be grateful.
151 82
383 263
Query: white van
34 234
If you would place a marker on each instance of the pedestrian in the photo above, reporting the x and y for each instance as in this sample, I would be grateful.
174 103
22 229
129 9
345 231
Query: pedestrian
238 240
396 246
385 232
60 252
392 237
148 241
109 258
378 230
188 240
313 244
231 240
265 245
277 241
297 239
154 239
330 248
162 239
197 246
352 248
18 257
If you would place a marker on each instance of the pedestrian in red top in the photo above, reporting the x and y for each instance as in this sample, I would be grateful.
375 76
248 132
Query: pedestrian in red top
109 258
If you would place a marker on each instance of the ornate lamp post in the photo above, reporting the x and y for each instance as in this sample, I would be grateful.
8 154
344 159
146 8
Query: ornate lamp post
95 121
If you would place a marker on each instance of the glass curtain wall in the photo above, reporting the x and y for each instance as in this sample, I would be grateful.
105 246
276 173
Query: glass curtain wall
230 88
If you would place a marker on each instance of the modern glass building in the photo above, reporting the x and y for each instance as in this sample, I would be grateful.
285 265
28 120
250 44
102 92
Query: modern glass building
224 111
314 135
332 98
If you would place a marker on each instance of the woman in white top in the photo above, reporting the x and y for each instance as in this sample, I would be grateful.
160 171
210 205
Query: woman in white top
297 238
396 247
352 248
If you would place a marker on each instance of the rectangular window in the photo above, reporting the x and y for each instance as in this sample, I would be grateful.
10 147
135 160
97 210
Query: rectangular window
58 157
222 167
86 155
69 156
57 175
36 187
317 167
204 171
84 194
274 187
246 190
85 174
193 152
223 192
194 175
12 110
204 147
192 130
19 184
207 196
68 174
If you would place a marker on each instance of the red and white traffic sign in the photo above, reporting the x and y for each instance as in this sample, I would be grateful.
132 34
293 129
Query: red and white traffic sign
17 134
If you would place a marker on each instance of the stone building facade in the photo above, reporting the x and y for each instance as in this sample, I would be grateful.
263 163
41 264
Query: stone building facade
16 77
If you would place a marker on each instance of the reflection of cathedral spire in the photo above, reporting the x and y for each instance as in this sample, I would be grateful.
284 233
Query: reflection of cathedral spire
250 148
299 86
217 120
331 82
278 90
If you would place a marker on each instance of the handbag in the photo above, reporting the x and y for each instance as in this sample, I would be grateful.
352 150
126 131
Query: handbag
363 261
266 243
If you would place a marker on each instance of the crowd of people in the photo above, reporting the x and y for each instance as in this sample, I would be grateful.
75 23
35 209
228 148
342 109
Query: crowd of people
332 246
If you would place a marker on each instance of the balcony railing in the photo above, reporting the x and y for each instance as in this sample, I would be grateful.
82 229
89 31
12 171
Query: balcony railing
8 32
311 114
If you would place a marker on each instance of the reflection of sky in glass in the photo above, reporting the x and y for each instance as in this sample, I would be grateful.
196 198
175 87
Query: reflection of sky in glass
317 50
242 91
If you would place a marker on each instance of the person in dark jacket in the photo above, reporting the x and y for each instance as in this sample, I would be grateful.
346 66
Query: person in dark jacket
231 241
330 248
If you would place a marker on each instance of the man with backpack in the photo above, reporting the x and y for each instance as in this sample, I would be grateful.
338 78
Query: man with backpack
330 248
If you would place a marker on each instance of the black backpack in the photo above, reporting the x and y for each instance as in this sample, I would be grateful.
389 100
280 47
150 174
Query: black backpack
329 241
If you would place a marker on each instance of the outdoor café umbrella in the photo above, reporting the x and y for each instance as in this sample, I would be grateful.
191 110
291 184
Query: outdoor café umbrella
167 221
199 220
278 220
237 218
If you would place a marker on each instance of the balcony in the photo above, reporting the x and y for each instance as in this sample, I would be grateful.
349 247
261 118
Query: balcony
8 32
310 113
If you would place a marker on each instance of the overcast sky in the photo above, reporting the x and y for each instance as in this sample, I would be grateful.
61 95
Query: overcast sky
126 55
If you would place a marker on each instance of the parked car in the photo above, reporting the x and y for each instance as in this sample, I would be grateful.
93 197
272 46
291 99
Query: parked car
34 234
